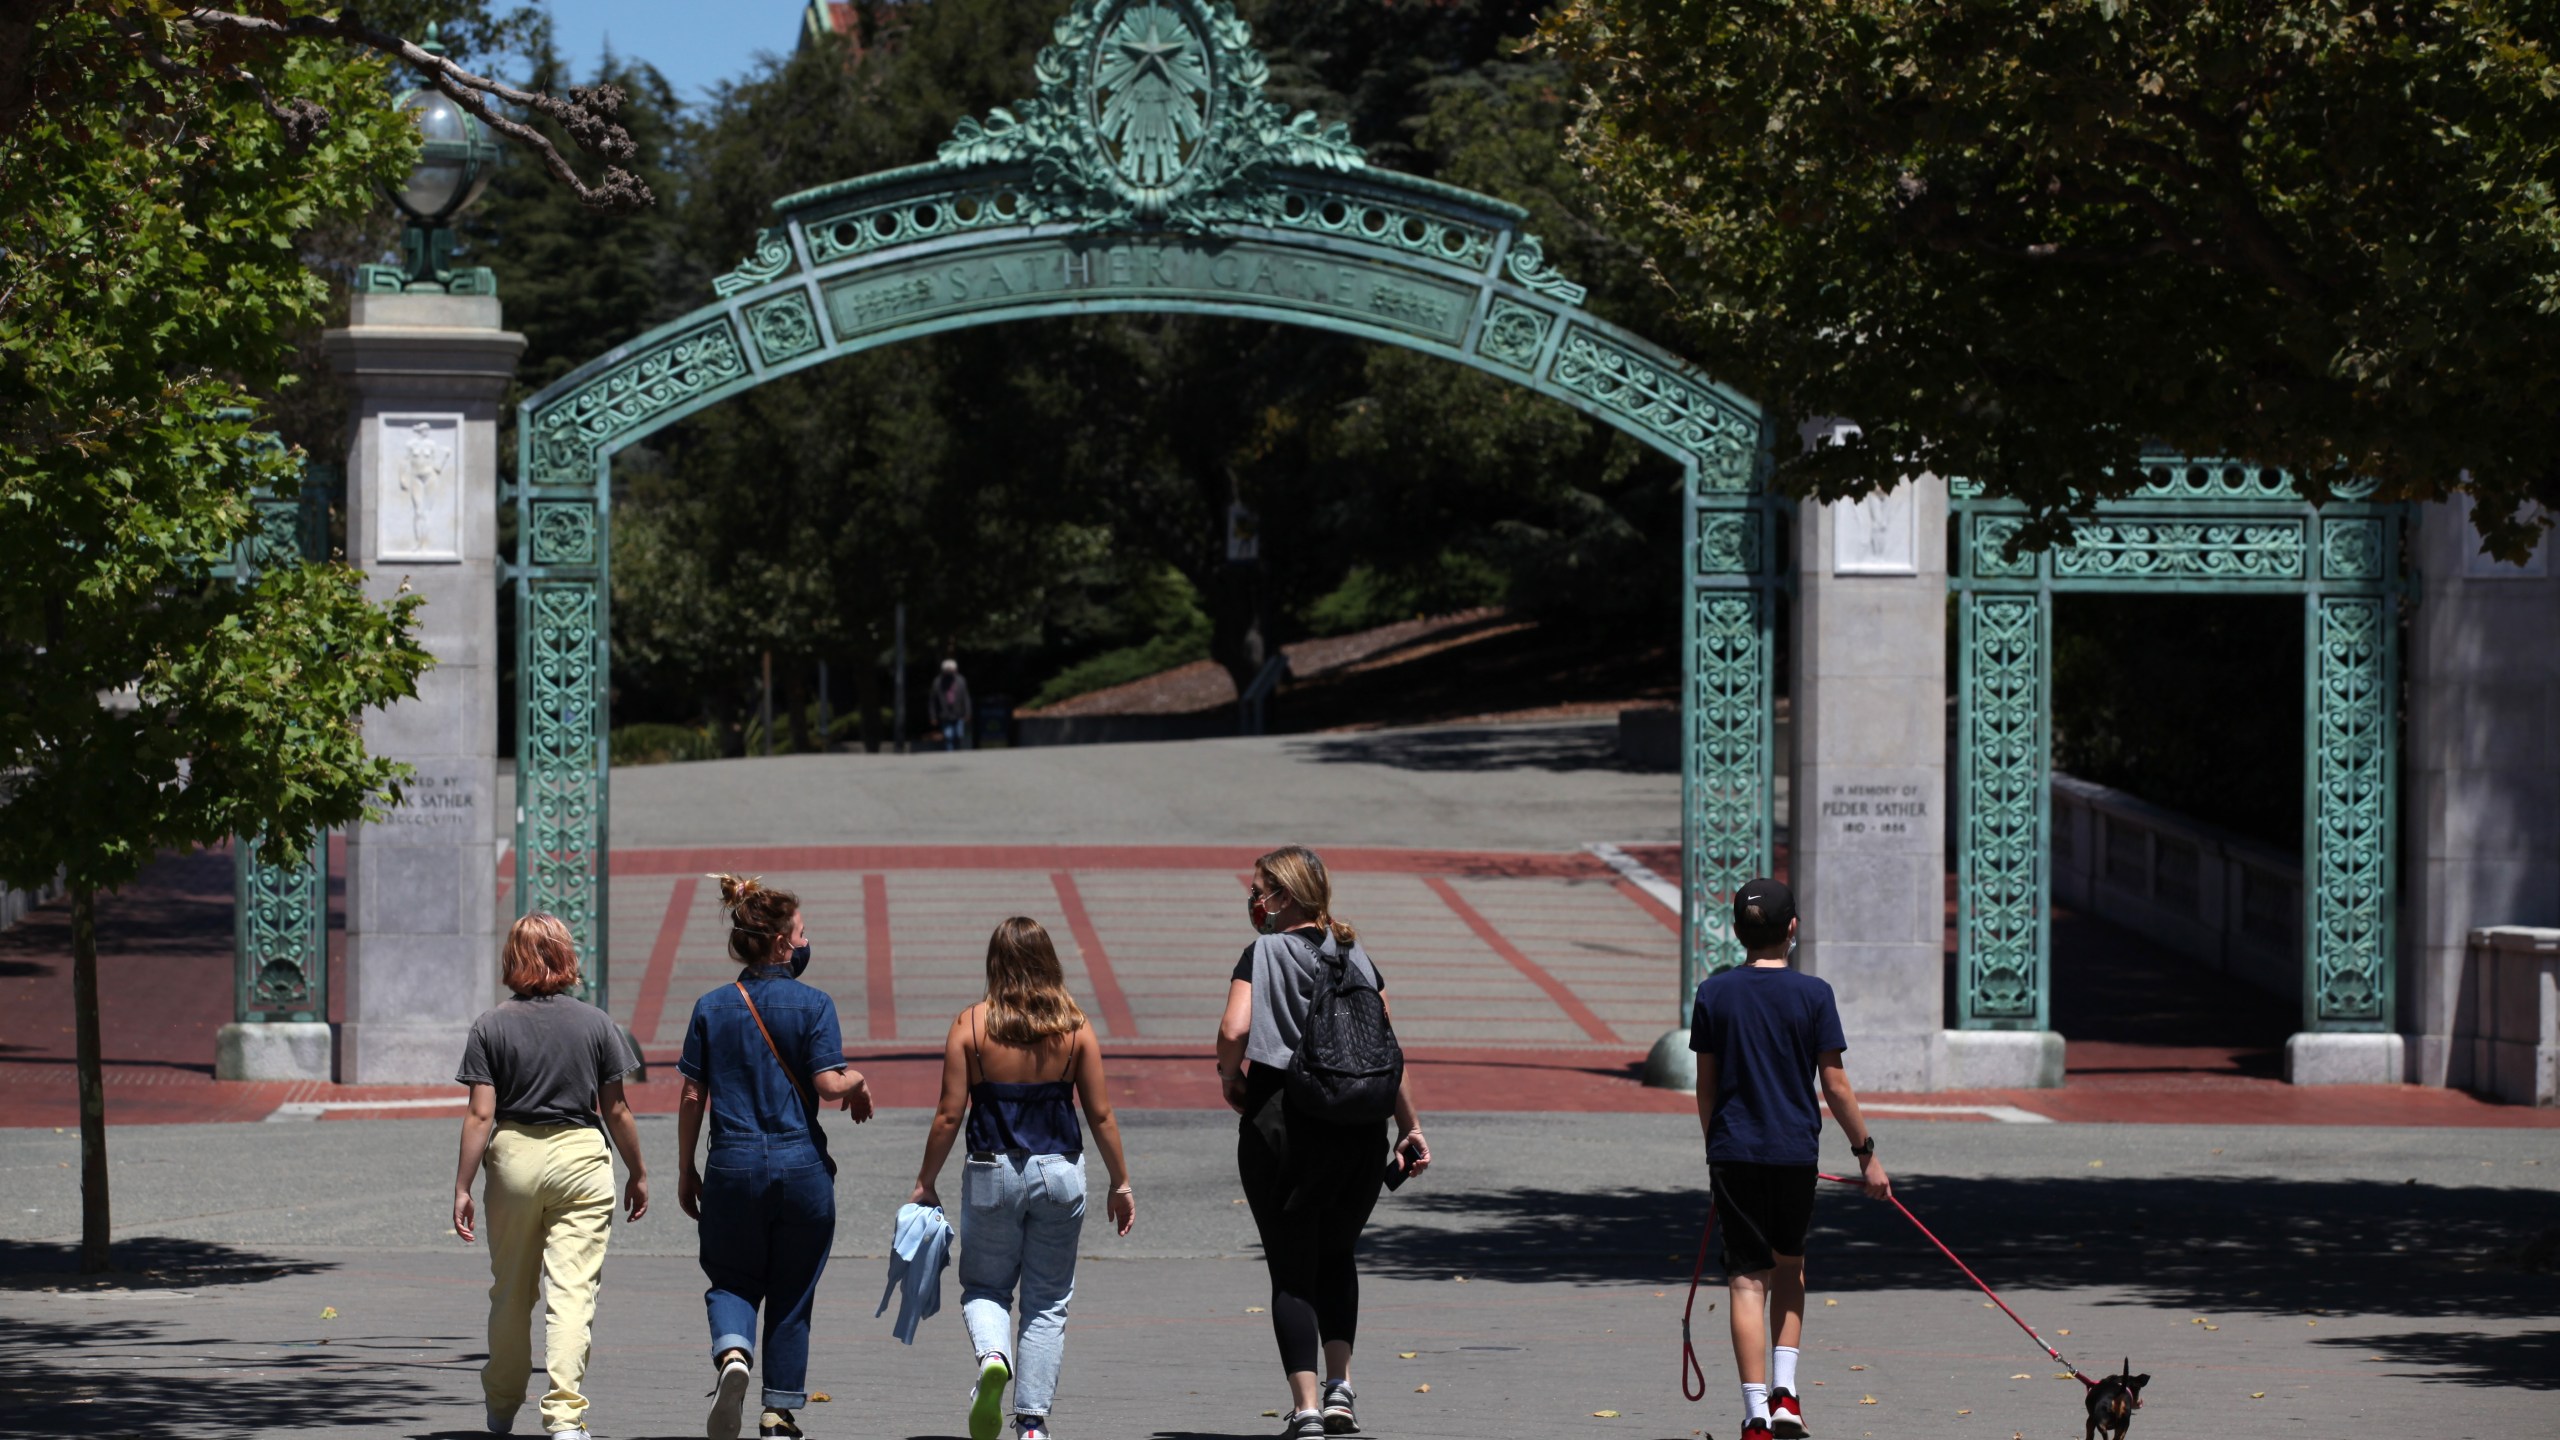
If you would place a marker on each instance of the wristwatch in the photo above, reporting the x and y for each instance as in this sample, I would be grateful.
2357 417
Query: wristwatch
1865 1148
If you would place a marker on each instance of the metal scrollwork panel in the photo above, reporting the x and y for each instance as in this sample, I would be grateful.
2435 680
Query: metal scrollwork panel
1729 821
559 789
280 914
567 433
280 935
2001 885
2146 549
2349 927
1668 404
1731 542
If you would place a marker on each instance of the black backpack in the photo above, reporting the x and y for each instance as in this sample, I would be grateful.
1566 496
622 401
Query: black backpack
1348 1068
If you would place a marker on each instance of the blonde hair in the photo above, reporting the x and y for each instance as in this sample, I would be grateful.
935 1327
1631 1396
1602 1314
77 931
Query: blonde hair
541 956
1300 872
758 916
1027 999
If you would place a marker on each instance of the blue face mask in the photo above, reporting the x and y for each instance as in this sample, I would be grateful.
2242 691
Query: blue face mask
799 959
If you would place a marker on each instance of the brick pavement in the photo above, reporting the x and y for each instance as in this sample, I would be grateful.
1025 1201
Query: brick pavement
1525 981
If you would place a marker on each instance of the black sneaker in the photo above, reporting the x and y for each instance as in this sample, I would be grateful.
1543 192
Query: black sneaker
778 1425
1338 1416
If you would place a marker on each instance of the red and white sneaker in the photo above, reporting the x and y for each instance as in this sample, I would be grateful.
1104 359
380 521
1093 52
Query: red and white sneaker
1786 1417
1755 1430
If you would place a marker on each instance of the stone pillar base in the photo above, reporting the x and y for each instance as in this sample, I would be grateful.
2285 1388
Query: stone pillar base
2337 1058
373 1053
1996 1060
1672 1065
275 1050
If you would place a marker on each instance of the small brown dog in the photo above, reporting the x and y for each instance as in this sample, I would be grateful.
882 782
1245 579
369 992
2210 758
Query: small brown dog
2112 1402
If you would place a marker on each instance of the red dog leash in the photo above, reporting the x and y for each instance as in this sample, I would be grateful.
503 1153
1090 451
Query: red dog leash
1690 1369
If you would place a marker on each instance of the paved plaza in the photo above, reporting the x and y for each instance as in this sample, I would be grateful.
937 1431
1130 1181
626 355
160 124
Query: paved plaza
2348 1281
2284 1261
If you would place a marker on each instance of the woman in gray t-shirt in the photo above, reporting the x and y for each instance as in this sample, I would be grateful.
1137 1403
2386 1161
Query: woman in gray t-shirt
545 1070
1311 1184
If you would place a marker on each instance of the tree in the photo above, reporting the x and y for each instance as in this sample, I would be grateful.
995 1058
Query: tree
2020 241
52 51
147 279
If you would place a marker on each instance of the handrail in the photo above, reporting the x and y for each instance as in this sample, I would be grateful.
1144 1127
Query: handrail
1251 706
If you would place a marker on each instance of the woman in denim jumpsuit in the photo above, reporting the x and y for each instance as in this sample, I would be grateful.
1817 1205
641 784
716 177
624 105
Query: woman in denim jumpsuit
1015 1064
761 1055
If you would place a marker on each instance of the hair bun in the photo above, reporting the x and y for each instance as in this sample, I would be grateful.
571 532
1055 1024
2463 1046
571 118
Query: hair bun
734 889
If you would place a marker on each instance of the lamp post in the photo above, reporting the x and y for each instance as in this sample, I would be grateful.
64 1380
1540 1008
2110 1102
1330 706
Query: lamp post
454 166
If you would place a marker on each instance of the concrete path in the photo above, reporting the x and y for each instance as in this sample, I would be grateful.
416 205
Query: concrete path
2348 1282
1451 787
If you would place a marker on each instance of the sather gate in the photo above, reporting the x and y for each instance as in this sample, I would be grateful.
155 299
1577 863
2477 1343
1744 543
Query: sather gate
2194 526
1148 174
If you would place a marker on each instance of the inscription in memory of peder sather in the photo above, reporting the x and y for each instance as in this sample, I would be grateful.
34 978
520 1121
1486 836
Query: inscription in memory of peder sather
1237 271
1877 810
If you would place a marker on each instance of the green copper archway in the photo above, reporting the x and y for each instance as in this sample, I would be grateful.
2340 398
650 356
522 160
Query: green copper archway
1149 174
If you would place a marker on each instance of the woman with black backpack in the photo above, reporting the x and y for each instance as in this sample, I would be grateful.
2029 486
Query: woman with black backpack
1308 1057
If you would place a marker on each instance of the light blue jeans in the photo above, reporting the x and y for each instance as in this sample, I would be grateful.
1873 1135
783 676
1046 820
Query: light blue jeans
1020 1217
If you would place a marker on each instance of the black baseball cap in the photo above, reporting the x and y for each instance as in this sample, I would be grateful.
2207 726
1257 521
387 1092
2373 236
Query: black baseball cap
1762 909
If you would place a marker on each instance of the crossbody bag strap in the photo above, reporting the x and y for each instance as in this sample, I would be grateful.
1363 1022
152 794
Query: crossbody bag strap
758 1017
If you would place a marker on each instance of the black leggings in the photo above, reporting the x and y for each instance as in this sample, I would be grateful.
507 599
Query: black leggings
1310 1212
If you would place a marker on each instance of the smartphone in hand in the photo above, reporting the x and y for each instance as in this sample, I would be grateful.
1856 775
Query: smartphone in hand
1399 1164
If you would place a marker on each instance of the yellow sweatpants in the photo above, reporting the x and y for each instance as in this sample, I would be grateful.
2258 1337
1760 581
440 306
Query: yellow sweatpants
550 1211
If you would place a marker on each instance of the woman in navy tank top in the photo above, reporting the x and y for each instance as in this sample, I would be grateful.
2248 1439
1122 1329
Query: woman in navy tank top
1014 1068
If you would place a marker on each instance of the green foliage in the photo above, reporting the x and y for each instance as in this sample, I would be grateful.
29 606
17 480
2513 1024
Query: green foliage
2018 240
1166 609
148 278
1368 598
661 744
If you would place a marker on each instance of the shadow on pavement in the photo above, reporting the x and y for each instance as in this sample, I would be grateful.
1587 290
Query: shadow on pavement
2530 1361
1485 747
146 1262
2238 1245
182 1389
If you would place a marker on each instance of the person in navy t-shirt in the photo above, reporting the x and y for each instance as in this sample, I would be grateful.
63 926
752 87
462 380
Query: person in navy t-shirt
1765 1035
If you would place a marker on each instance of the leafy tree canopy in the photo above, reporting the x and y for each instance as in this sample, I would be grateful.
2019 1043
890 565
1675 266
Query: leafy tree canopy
2019 241
147 257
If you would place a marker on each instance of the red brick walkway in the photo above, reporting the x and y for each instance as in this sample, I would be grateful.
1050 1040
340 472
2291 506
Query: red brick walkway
1525 982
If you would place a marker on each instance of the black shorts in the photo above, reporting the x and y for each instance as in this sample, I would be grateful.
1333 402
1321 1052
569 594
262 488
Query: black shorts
1762 1211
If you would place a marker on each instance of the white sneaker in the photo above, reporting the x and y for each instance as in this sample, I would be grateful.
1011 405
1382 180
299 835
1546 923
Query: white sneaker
574 1432
986 1399
729 1401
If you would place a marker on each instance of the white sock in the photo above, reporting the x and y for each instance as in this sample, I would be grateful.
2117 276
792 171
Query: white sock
1755 1401
1782 1368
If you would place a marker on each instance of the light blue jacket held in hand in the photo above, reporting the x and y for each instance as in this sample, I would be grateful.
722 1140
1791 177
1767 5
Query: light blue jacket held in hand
916 1260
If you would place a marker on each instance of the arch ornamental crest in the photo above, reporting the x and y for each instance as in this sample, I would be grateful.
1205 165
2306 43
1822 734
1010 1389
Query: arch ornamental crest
1148 172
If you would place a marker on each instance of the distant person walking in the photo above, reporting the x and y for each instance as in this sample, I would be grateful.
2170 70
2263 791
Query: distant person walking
762 1054
545 1070
1766 1035
1310 1181
948 703
1016 1063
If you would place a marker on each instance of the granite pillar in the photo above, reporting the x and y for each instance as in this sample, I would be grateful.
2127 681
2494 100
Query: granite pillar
2483 796
429 373
1867 802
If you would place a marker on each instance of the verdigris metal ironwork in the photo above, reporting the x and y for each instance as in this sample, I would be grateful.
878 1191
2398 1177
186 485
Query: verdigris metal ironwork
2193 526
1148 172
280 913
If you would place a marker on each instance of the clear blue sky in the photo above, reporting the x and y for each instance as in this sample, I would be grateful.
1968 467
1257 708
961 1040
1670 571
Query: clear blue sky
694 43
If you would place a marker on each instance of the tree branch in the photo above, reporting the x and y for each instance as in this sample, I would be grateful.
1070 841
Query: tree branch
587 113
